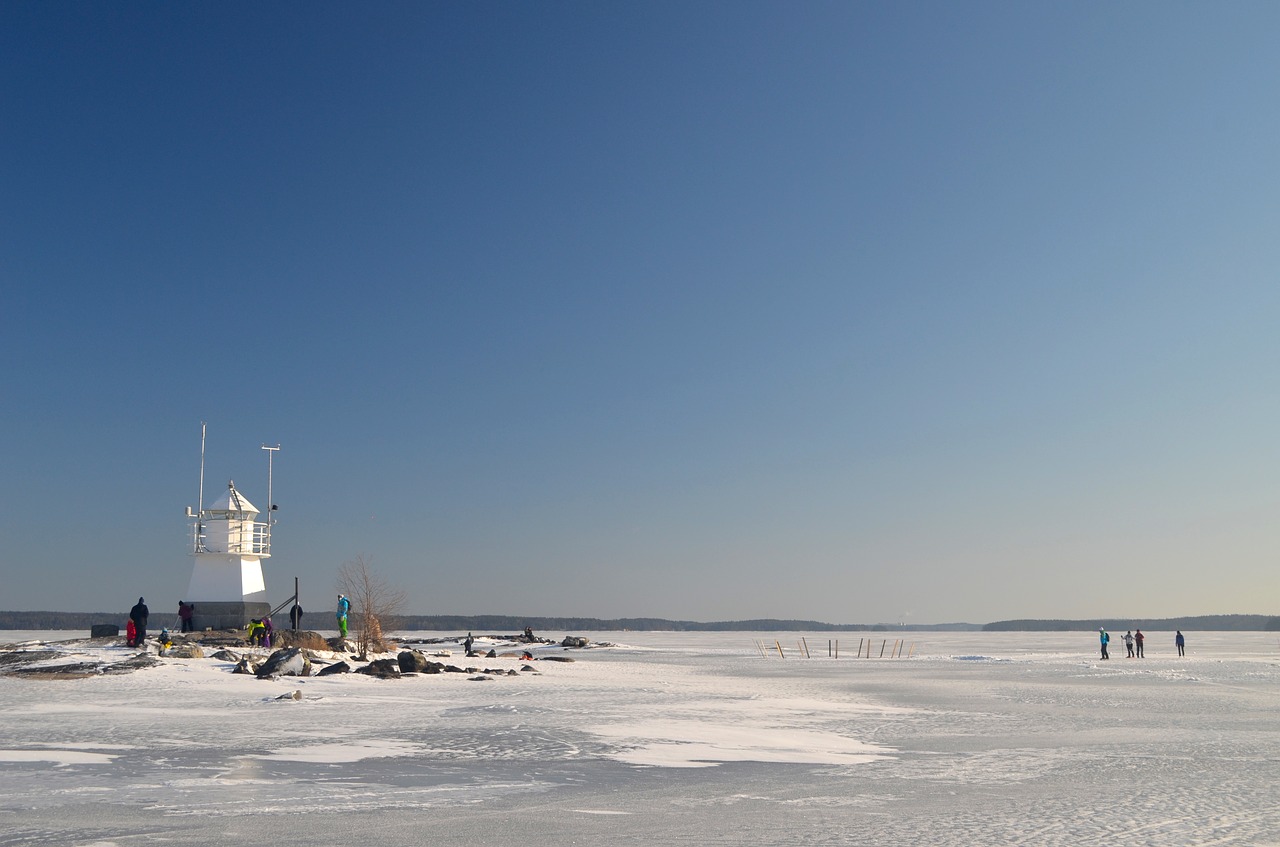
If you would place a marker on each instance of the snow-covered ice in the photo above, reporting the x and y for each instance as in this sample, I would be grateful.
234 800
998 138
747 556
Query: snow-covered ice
668 738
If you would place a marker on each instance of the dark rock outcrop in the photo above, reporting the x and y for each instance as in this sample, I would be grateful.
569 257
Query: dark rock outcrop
136 663
71 670
18 658
574 641
382 669
336 667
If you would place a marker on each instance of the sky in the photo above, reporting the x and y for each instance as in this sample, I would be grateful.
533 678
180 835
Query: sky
869 312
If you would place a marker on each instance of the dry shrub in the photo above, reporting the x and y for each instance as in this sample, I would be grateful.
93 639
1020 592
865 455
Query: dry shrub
372 599
305 639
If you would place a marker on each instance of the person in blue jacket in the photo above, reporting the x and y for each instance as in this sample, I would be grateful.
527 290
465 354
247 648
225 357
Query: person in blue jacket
1104 638
344 606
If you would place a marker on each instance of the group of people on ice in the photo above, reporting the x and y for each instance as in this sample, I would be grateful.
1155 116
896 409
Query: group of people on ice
259 629
1134 641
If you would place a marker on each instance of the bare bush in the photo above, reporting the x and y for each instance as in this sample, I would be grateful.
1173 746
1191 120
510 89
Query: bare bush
302 638
372 601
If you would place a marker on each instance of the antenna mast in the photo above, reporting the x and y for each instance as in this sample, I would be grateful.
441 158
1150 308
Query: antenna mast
200 501
271 452
271 506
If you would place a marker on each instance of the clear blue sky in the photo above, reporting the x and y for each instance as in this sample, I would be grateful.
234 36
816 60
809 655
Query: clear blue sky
856 312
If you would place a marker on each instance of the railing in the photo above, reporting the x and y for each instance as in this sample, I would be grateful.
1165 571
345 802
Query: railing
247 538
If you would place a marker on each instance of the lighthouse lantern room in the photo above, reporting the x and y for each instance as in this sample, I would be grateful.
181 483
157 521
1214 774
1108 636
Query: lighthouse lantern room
228 544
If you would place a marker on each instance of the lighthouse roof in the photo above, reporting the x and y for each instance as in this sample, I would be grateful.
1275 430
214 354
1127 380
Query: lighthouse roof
233 501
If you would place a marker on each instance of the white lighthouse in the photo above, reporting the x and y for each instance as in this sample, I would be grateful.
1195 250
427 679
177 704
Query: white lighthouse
228 544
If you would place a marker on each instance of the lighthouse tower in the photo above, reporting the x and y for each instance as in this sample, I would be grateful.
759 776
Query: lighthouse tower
228 543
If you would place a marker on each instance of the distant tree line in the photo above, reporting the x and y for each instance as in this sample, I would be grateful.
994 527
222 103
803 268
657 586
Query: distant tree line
511 623
60 620
1203 623
514 624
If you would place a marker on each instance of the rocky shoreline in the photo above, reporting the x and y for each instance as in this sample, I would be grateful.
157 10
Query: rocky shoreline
299 654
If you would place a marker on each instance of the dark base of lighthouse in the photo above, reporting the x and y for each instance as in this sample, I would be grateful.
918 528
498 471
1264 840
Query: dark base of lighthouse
224 615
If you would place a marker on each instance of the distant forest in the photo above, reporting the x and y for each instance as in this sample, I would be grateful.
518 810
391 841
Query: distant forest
512 624
491 623
1201 623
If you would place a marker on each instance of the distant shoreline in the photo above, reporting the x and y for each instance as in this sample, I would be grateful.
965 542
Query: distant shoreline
511 623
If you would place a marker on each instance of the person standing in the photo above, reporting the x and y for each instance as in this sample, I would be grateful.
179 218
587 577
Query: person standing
185 612
466 645
295 617
139 614
1181 643
1104 638
1128 643
344 606
1138 638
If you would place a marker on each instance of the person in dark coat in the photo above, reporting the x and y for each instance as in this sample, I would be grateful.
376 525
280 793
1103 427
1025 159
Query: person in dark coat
138 614
295 617
1181 643
185 612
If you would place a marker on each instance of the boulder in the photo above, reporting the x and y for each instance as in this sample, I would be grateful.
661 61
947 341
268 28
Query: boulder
340 645
574 641
411 661
246 665
556 658
382 669
183 651
287 661
225 656
336 667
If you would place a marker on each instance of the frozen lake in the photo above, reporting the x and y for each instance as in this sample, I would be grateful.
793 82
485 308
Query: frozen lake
671 738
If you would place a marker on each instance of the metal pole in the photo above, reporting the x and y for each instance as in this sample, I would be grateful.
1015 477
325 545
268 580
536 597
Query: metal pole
271 453
195 542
